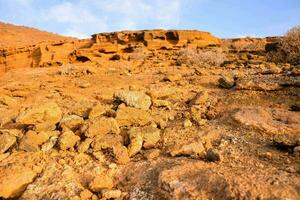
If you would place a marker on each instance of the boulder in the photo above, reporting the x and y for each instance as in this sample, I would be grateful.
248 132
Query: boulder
187 123
214 155
152 154
50 144
127 116
13 183
194 149
101 126
199 99
151 136
173 77
198 114
43 117
146 137
111 194
275 121
33 140
226 82
68 140
136 99
97 111
85 145
3 156
136 144
107 141
121 154
101 182
162 103
6 141
71 122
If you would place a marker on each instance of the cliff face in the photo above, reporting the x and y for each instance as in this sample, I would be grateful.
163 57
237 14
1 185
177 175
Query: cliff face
102 46
118 46
153 39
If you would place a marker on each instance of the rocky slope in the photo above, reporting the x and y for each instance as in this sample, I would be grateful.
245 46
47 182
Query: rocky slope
140 115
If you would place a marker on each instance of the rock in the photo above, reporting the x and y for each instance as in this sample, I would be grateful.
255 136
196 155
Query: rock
151 136
152 154
198 114
50 144
8 101
85 145
136 99
281 122
99 155
194 149
213 155
84 84
13 132
287 140
296 151
33 140
68 140
101 182
146 137
3 156
121 154
173 77
136 143
13 183
296 106
71 123
187 123
272 68
107 141
6 141
111 194
127 116
258 86
86 195
97 111
43 117
102 126
199 99
226 82
162 103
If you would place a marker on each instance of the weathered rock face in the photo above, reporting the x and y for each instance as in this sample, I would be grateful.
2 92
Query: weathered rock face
153 39
65 50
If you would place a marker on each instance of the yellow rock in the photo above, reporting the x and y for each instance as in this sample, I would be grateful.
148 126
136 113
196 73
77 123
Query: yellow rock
14 183
101 182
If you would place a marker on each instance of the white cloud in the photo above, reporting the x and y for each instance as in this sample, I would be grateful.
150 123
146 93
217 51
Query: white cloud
81 18
76 34
67 12
156 13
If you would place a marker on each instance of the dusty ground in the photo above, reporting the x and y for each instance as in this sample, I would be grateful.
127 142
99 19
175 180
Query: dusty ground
148 128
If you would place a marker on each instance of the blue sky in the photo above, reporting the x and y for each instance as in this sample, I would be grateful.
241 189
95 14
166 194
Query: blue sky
224 18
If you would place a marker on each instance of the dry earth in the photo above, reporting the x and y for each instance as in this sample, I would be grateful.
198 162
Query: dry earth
124 116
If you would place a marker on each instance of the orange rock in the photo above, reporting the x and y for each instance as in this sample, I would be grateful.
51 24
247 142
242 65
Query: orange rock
12 184
101 182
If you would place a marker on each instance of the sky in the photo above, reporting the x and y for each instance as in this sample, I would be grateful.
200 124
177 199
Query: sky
223 18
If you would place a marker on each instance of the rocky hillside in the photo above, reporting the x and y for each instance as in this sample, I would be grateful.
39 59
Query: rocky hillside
153 114
21 36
